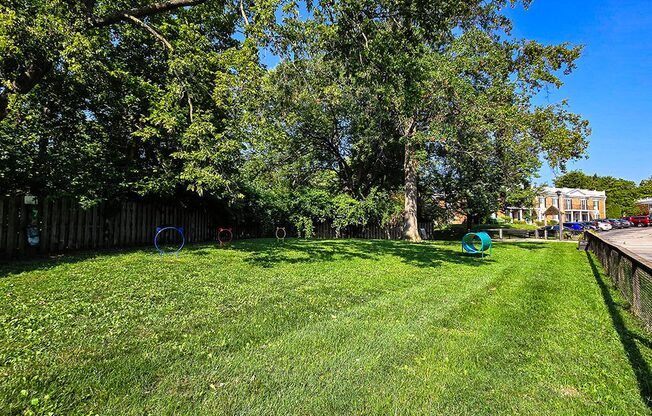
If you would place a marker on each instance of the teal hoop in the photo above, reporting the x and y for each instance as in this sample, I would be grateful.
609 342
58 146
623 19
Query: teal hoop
477 243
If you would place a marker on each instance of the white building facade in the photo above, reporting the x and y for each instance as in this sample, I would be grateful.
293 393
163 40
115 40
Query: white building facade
575 204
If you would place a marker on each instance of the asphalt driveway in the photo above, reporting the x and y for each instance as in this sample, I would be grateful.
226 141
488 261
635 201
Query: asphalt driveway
637 240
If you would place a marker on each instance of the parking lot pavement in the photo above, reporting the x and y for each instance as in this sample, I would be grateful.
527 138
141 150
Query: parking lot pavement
637 240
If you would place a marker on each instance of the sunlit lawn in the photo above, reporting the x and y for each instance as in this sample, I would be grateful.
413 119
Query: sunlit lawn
319 327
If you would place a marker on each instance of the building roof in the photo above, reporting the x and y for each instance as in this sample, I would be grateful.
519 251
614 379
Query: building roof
571 192
645 201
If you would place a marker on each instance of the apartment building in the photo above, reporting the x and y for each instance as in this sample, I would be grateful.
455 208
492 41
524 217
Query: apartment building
574 205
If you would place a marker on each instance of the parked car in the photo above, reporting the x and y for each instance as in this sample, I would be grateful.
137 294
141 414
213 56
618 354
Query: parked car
575 226
568 226
640 220
626 222
603 225
590 225
614 223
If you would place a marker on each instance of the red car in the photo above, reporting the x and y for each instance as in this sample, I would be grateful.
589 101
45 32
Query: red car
640 221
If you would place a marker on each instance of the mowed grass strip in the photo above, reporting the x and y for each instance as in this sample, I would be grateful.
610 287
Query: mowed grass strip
319 327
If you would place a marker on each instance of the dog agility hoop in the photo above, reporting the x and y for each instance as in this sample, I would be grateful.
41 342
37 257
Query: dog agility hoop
482 240
280 233
224 235
179 230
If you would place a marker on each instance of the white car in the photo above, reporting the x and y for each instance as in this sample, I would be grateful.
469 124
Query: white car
603 226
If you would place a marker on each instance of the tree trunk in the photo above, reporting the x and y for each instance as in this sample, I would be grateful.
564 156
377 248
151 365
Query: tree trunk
410 226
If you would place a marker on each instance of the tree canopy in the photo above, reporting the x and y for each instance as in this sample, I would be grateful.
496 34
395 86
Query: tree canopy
379 111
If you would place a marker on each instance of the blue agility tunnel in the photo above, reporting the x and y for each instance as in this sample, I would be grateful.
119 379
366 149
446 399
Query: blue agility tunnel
475 243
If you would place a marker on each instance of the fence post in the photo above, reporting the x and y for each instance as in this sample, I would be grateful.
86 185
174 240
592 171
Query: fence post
636 291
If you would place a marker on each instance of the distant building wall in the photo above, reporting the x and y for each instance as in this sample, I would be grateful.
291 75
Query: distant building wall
645 205
575 204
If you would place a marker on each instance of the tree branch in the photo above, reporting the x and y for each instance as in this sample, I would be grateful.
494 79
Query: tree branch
150 30
148 10
23 83
242 12
37 70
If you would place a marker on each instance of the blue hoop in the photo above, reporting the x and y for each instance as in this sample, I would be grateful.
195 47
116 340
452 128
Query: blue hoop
159 230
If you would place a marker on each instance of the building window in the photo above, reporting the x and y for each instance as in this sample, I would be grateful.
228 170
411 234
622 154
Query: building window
585 216
569 217
555 202
583 204
542 202
596 205
568 203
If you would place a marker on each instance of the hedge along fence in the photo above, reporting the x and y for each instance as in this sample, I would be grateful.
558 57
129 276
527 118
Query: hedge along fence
65 226
631 274
374 232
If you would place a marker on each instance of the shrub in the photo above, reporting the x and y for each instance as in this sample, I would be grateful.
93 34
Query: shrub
505 219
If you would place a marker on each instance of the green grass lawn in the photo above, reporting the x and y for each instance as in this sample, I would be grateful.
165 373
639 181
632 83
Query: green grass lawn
320 327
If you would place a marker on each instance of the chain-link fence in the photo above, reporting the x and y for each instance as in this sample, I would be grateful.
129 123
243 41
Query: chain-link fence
631 274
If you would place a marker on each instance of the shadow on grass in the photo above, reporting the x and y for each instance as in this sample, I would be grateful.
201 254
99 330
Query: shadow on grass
628 338
46 262
296 251
267 252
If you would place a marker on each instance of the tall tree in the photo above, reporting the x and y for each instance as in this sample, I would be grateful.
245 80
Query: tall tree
441 79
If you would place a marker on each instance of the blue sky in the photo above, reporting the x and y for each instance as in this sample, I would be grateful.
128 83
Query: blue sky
612 85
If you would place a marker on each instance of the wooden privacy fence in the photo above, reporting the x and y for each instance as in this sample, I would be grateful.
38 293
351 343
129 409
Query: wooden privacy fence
631 274
64 226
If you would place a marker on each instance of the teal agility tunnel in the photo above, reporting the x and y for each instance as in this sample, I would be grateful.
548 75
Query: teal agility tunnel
475 243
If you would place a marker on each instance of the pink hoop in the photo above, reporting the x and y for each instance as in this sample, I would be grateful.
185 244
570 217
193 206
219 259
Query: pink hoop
219 237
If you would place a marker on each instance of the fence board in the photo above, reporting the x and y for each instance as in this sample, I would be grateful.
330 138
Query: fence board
80 242
141 223
133 232
44 238
72 230
3 234
64 215
54 225
22 227
11 227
